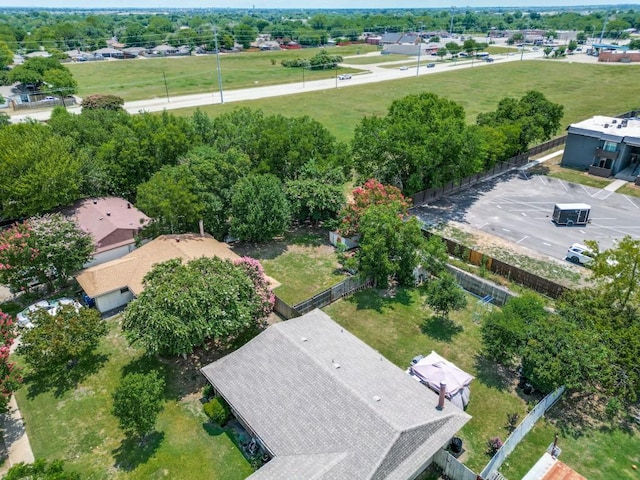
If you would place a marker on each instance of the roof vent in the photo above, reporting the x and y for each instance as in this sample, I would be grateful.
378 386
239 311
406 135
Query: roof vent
606 125
304 339
335 364
108 214
95 202
376 398
100 218
619 125
614 121
128 205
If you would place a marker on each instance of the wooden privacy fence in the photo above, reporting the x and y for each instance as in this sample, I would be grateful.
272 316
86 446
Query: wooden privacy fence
451 467
322 299
521 430
432 194
511 272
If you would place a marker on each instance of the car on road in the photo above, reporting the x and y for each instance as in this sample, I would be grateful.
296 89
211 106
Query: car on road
431 65
489 60
50 306
580 254
344 76
404 67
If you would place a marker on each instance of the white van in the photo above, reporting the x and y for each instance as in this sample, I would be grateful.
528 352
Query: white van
580 254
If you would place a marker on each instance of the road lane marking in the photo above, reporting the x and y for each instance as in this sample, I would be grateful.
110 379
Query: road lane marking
523 238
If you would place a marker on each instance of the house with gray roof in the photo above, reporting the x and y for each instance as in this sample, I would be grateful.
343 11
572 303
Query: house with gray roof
325 405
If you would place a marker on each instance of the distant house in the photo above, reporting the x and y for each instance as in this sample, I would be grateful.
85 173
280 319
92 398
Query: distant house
114 284
605 146
109 52
164 50
112 222
114 43
324 405
133 52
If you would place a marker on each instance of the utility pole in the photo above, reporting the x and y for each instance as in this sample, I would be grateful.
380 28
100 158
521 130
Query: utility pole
215 33
166 88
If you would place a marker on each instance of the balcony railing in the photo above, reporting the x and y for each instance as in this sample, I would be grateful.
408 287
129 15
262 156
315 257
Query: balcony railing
600 172
601 153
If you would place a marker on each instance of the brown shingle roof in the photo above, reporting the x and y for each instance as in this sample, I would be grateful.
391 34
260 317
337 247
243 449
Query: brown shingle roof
102 217
129 270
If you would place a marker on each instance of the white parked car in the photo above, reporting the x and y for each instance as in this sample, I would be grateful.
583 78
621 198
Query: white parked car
404 67
344 76
580 254
51 306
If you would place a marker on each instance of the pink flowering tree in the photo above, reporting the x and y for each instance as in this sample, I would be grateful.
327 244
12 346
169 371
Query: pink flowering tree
10 378
371 193
47 249
265 297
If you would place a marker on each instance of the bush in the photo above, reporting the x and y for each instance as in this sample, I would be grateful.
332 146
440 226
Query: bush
493 445
218 411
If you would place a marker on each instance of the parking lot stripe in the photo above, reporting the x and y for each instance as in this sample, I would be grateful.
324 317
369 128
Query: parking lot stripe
523 214
631 201
523 238
483 225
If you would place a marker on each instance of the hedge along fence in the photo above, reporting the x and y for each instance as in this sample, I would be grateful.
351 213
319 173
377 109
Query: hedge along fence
433 194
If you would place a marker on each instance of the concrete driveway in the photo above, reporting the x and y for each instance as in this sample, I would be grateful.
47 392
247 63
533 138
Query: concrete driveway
518 209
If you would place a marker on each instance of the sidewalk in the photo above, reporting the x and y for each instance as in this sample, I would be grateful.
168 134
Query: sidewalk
15 438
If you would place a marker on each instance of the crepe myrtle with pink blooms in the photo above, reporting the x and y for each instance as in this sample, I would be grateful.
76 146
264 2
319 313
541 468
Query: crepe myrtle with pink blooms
10 378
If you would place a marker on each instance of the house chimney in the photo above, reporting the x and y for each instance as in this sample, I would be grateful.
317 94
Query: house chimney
443 391
201 224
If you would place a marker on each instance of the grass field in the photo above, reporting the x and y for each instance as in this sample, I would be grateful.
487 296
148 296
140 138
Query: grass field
476 89
303 261
401 328
144 78
368 60
76 425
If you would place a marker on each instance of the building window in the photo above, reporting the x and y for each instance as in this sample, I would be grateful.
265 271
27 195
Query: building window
610 146
124 290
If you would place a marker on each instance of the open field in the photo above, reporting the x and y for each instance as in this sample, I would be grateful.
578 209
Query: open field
76 424
369 60
144 78
477 90
401 328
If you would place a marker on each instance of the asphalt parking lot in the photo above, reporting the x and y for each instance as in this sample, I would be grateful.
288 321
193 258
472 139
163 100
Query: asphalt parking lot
519 209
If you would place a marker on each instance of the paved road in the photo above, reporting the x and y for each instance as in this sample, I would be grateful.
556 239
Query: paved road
371 74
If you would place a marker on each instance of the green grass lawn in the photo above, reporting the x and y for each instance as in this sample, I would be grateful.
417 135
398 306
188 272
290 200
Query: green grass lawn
144 78
304 262
402 328
76 425
368 60
629 189
476 89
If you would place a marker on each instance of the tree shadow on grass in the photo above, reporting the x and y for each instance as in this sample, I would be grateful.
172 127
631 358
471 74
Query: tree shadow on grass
441 328
493 374
59 379
132 452
380 299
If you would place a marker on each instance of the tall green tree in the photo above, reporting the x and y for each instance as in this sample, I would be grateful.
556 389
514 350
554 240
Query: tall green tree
259 208
138 401
183 306
39 170
617 271
422 142
6 55
390 247
61 340
445 295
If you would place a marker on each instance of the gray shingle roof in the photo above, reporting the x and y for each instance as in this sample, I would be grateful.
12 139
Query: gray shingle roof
323 401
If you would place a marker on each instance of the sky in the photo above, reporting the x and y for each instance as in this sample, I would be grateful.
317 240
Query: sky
288 4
